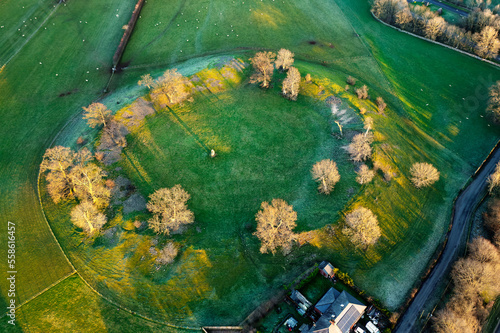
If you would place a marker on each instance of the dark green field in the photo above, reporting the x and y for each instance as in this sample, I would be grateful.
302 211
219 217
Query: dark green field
434 115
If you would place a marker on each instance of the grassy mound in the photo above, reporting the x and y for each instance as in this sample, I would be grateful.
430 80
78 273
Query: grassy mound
266 146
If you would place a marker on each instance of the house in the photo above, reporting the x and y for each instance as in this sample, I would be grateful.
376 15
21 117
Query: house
340 311
326 269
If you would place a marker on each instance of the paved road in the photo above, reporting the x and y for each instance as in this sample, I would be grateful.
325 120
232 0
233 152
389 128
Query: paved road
444 6
463 210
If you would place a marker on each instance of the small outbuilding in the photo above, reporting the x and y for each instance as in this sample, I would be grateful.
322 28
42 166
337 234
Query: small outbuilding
326 269
291 323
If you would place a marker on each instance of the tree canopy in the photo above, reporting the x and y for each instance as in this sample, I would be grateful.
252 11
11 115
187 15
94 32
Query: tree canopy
263 63
275 224
423 174
96 114
169 208
362 227
325 172
87 217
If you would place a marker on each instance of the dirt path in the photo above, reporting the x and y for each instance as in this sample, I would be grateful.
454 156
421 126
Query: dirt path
465 206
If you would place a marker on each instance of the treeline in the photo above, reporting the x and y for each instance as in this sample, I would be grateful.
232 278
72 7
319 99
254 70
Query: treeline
475 277
475 280
477 33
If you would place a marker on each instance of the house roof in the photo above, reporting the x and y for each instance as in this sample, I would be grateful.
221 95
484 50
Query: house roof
348 319
327 300
327 267
340 307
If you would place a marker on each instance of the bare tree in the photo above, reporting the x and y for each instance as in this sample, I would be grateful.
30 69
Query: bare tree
448 321
494 101
368 123
284 60
483 251
275 224
494 178
381 104
362 92
496 239
434 27
492 216
58 161
263 63
114 135
90 185
87 217
167 254
96 114
423 174
146 80
362 227
404 18
472 278
291 84
475 284
169 208
83 156
487 44
365 175
360 148
326 174
173 85
387 10
351 81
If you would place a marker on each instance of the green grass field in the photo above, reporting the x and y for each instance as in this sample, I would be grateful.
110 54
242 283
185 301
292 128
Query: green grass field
60 310
265 150
434 115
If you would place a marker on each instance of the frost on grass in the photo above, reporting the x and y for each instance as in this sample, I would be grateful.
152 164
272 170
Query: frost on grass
134 203
397 281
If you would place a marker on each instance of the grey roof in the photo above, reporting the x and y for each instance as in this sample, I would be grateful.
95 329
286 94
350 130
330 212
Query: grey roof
327 300
327 267
331 306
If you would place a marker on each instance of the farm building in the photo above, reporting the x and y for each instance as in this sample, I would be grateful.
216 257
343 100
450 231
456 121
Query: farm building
326 269
339 312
